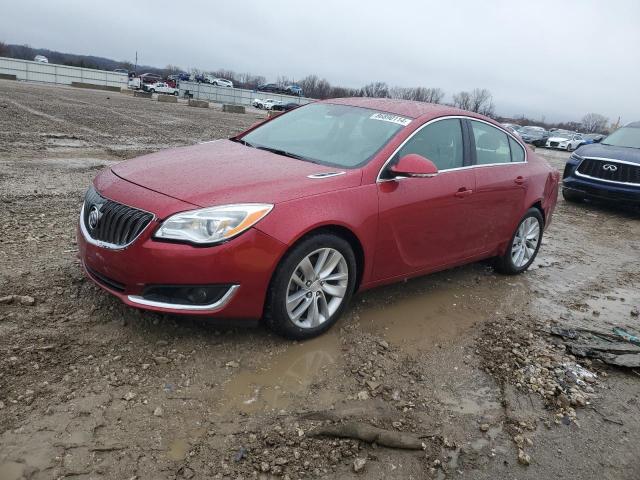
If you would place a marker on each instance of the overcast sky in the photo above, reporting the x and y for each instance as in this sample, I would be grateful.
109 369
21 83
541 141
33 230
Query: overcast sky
560 59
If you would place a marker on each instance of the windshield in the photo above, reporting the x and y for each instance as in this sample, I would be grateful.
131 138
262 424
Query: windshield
624 137
337 135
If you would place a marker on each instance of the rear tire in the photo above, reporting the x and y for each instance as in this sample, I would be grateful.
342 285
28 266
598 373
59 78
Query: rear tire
308 293
524 244
572 197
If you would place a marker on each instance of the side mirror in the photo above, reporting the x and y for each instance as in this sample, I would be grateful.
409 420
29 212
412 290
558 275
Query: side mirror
414 165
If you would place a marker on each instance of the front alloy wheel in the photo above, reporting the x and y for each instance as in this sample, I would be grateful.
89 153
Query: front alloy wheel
311 287
317 288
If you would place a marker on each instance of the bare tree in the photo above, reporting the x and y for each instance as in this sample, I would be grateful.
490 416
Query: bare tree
479 100
283 80
482 102
315 87
594 123
376 90
309 85
4 50
462 100
433 95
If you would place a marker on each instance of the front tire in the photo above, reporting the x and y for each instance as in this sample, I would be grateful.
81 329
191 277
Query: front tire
311 287
524 244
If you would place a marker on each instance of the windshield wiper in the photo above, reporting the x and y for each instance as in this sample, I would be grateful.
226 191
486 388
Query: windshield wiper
277 151
284 153
243 142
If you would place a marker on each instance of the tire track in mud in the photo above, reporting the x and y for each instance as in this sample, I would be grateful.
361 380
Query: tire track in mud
55 119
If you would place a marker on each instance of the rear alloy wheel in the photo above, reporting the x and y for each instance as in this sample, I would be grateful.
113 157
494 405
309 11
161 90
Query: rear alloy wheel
524 244
311 287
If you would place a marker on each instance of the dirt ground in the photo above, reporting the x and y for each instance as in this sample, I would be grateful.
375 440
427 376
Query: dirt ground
91 389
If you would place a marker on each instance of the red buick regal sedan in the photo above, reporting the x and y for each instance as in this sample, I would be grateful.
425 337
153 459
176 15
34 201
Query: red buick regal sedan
287 220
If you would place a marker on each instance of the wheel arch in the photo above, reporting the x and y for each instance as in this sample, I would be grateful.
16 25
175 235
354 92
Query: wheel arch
538 205
343 232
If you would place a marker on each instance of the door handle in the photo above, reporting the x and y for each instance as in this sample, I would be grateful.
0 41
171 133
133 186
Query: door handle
519 180
463 192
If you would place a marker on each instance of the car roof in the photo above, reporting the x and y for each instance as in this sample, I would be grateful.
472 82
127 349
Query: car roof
405 108
633 125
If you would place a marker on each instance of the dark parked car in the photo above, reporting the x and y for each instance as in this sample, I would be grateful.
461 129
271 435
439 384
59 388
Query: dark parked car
284 107
150 78
270 87
608 170
293 89
593 138
537 136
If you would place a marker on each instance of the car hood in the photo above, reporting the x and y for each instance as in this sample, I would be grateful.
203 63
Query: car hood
223 172
558 139
607 151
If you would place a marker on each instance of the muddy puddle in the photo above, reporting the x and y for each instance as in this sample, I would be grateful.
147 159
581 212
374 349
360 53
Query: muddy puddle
418 315
481 401
440 308
282 377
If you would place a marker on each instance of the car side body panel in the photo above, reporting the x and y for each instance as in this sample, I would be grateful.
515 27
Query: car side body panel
355 209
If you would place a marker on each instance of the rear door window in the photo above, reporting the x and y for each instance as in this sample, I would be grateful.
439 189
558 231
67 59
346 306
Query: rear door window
492 144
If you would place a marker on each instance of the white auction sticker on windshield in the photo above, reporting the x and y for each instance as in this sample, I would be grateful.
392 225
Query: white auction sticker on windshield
388 117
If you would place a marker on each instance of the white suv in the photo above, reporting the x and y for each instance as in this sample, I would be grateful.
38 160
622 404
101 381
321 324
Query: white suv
161 87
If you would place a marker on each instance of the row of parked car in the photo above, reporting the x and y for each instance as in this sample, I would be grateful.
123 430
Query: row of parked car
554 138
271 104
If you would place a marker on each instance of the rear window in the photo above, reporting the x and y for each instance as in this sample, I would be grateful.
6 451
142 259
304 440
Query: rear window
517 152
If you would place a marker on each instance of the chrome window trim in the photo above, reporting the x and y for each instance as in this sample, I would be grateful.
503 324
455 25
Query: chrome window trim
107 245
217 305
321 175
462 117
608 160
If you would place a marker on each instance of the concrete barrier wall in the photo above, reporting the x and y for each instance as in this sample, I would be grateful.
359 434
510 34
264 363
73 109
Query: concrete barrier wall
234 96
60 74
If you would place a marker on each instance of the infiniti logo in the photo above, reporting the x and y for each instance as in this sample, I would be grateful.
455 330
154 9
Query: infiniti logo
94 217
609 167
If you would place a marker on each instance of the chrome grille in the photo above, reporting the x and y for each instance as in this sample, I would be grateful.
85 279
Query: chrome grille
112 223
602 169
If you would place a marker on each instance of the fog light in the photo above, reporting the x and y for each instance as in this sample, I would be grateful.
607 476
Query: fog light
185 294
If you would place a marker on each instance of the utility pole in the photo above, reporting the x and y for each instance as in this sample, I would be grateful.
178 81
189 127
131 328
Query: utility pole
135 68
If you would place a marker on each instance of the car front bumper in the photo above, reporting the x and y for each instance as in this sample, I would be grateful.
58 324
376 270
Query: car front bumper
558 145
243 266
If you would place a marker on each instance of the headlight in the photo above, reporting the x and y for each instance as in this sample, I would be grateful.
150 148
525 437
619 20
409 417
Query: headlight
212 225
575 157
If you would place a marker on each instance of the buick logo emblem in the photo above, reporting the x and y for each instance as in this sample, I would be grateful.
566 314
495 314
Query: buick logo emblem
94 217
609 167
